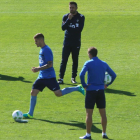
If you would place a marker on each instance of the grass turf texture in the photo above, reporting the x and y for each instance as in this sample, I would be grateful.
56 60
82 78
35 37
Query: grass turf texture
113 27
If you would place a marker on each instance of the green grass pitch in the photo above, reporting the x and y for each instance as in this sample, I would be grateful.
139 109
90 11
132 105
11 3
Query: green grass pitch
111 26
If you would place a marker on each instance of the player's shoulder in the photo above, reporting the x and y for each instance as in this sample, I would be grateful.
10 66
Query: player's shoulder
88 62
81 16
104 63
66 15
46 48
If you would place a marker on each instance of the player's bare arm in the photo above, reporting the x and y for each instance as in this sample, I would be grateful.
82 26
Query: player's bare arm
46 66
105 86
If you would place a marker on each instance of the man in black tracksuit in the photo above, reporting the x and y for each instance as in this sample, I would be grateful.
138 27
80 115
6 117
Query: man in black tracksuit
72 24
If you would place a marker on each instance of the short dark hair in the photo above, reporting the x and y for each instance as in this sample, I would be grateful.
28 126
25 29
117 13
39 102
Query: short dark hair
39 36
93 51
72 2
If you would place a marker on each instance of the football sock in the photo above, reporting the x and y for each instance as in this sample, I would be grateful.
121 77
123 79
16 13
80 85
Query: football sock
103 133
32 104
87 134
69 90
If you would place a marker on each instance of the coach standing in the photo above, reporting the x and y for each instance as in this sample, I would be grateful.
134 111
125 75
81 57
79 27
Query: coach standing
72 24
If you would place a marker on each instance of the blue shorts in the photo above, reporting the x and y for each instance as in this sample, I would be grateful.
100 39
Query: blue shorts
95 96
51 83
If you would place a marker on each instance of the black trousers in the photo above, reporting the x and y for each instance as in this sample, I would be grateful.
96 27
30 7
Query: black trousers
74 50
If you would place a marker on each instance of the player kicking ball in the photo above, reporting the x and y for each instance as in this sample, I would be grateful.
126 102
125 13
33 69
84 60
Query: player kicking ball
46 77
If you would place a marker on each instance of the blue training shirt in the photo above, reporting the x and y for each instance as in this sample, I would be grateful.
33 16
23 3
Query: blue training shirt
46 55
96 69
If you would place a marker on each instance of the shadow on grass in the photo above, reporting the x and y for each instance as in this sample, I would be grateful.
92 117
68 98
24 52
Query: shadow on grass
75 124
71 84
11 78
113 91
121 92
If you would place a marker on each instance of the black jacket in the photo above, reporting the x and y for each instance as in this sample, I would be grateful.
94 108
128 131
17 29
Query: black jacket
73 29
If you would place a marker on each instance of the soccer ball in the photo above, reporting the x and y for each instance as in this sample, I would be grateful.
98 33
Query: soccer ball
107 79
17 115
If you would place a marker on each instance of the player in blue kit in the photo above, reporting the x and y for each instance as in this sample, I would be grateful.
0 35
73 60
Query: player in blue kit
94 87
46 77
72 24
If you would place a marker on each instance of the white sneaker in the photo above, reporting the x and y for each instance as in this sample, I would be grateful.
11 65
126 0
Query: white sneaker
60 81
73 80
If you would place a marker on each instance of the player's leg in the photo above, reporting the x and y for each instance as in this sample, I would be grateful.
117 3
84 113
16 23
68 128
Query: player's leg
37 87
103 121
89 113
101 104
33 99
75 56
53 85
67 90
65 55
34 93
89 105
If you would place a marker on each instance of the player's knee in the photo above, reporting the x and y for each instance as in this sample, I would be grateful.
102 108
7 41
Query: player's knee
58 93
89 116
64 61
33 93
104 117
